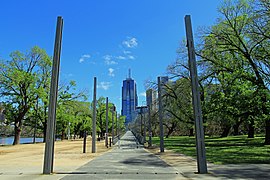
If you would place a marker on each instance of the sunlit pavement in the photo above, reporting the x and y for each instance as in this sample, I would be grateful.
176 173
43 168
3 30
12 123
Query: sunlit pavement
130 161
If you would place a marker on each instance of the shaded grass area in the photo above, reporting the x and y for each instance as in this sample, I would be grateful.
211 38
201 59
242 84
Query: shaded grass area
228 150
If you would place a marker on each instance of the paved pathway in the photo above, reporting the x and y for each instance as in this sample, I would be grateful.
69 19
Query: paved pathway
130 161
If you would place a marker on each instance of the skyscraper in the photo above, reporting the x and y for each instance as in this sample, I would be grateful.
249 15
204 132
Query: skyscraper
129 99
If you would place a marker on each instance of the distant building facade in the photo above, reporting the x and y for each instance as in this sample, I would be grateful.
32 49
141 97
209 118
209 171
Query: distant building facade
151 99
129 99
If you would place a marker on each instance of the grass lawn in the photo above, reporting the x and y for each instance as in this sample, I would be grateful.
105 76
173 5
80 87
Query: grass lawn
229 150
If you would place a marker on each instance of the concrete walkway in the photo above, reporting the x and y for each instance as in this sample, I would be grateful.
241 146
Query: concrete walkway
130 161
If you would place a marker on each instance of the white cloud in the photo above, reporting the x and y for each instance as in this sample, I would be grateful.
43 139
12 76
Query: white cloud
84 57
108 60
104 85
111 70
130 57
126 52
131 42
142 94
107 57
121 57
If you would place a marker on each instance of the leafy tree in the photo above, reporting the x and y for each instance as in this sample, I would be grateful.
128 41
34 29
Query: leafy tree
21 84
230 47
177 100
101 116
68 108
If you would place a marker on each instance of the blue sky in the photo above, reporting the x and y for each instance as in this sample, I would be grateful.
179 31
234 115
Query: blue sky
104 38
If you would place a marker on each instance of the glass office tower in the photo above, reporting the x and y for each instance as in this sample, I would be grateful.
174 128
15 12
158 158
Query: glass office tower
129 99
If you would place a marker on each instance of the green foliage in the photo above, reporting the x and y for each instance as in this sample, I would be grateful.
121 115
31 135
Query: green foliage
233 66
22 82
229 150
25 87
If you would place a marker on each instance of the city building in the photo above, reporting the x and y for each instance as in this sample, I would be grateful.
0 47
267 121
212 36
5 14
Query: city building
129 99
151 99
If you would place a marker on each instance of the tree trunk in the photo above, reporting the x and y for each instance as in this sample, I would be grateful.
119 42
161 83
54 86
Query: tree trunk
18 125
251 129
63 135
267 132
226 131
44 131
45 124
17 130
267 123
266 112
236 128
191 132
169 132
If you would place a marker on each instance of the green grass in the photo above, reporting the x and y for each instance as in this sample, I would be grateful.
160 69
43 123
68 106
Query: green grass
229 150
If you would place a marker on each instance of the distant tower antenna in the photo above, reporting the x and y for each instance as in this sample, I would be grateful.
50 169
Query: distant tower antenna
129 73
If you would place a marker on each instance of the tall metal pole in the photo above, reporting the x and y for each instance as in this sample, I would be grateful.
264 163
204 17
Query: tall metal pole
94 117
200 146
149 126
160 112
144 127
50 131
149 95
141 121
116 122
107 111
113 124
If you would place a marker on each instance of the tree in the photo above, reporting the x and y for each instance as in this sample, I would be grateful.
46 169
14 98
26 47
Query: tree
101 119
68 106
177 104
21 84
232 47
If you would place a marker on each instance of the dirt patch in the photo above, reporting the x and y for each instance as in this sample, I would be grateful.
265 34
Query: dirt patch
25 158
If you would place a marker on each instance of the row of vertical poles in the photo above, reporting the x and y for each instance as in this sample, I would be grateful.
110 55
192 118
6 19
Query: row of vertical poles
94 122
50 131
